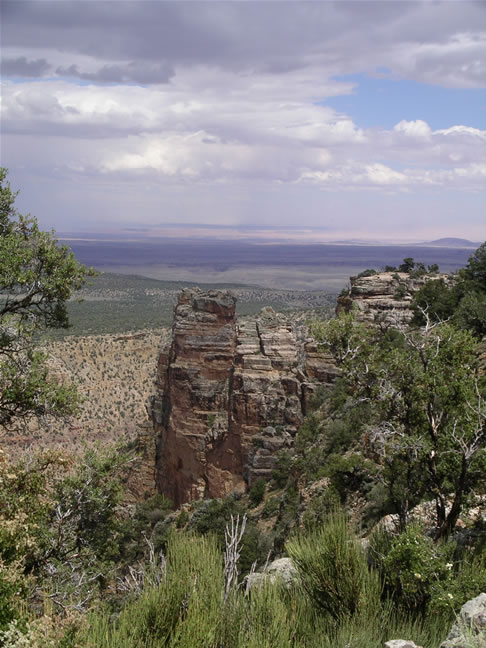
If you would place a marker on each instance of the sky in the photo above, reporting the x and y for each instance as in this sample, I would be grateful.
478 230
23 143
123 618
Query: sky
362 119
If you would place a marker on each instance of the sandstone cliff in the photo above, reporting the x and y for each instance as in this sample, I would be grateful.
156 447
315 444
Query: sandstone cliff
229 395
385 296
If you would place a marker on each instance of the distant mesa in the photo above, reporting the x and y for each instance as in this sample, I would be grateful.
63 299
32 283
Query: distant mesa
452 242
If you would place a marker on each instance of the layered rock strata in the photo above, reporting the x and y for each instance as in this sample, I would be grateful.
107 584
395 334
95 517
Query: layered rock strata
385 296
230 396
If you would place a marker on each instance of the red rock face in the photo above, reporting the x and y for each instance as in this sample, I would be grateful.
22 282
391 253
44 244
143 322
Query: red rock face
195 457
230 395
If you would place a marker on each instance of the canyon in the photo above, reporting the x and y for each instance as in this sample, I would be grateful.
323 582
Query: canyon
226 392
232 392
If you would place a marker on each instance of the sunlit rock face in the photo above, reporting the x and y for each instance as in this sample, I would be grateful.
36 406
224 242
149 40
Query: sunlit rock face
385 296
230 395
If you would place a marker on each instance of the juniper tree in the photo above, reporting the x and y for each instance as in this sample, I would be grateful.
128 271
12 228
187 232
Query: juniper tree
426 410
37 278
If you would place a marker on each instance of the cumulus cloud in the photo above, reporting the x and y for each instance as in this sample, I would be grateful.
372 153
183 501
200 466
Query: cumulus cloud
417 128
377 176
219 94
252 132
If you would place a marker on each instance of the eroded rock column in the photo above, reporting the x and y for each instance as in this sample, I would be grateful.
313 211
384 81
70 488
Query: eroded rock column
196 457
230 396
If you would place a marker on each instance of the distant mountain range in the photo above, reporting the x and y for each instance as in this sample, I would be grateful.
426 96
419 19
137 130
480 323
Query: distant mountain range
451 242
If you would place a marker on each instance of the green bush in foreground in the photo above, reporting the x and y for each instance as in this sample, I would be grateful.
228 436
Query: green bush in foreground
334 569
427 578
37 279
188 608
180 602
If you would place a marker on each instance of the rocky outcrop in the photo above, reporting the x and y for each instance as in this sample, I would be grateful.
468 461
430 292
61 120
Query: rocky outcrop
469 631
385 296
470 628
230 395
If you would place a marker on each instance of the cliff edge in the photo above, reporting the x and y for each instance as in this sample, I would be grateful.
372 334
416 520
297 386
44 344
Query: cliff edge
230 394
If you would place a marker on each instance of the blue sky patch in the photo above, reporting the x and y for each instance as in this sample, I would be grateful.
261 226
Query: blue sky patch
384 102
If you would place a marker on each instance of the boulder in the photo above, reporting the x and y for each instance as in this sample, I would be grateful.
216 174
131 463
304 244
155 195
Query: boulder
281 571
470 629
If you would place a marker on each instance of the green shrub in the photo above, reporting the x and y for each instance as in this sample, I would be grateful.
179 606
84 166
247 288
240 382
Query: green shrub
182 519
184 610
400 291
334 570
413 564
349 474
269 620
212 516
439 298
424 577
187 608
288 517
257 491
462 581
471 313
271 507
308 432
8 601
320 507
340 434
407 266
148 514
369 272
280 474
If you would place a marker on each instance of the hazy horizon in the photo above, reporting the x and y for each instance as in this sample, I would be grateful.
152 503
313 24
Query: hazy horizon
359 119
306 265
258 235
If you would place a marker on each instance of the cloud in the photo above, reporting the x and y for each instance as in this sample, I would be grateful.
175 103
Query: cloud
417 128
434 42
375 177
209 126
227 101
133 72
21 67
457 61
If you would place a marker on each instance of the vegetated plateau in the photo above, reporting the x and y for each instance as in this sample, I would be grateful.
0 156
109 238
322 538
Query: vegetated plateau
117 303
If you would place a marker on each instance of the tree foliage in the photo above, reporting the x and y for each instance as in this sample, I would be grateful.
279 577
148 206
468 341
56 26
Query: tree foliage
60 527
462 298
426 420
37 278
475 270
